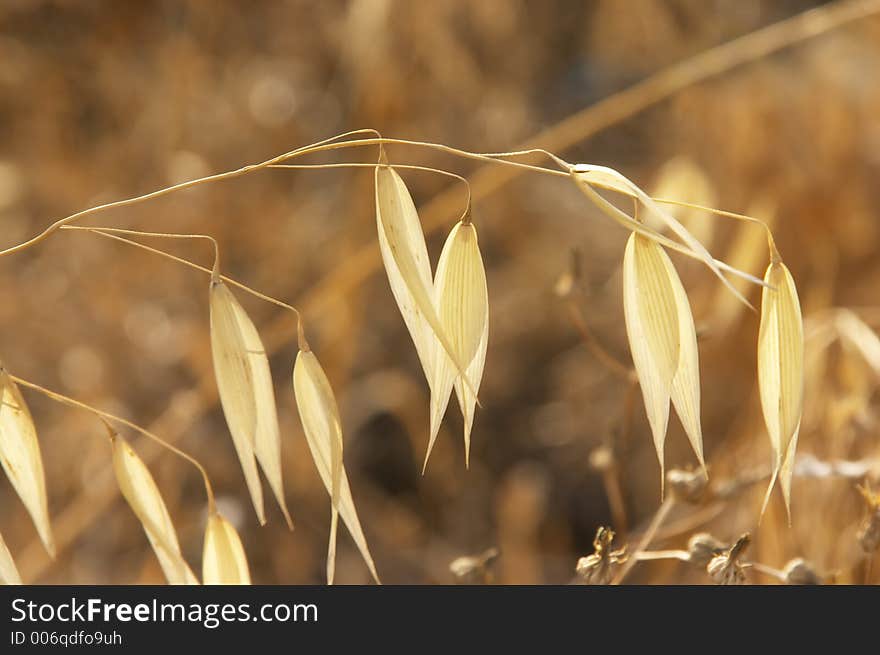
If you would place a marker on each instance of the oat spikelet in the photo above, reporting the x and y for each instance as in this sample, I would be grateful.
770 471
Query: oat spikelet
686 383
8 571
463 304
223 558
781 372
413 242
401 241
323 429
662 340
588 176
267 436
21 459
466 400
235 382
142 495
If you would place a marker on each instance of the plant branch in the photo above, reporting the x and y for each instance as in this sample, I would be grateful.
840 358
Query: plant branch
647 537
54 227
72 402
112 233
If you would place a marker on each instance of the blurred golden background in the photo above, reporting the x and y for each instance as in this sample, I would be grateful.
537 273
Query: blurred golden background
104 100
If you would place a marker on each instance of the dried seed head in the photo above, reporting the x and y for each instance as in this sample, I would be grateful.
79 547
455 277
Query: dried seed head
235 383
223 558
21 459
663 341
725 569
781 372
8 572
402 244
702 547
588 176
474 569
323 429
869 532
463 306
800 572
394 205
247 395
140 491
688 486
600 567
724 572
267 436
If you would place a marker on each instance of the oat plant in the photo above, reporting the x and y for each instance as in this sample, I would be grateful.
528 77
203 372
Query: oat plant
446 310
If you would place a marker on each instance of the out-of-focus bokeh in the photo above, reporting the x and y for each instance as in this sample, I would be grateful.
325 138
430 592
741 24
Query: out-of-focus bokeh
104 100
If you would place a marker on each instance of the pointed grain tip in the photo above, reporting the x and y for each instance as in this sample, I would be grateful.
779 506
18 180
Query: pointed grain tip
301 337
287 518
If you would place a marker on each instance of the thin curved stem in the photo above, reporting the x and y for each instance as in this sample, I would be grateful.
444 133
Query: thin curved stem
434 146
614 214
592 343
215 270
112 233
647 537
530 151
769 571
335 143
771 243
409 167
106 416
54 227
649 555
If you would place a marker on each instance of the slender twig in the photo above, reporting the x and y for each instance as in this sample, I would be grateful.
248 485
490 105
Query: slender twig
690 522
592 343
176 187
684 556
769 571
606 207
611 483
408 167
647 537
72 402
112 233
610 110
648 555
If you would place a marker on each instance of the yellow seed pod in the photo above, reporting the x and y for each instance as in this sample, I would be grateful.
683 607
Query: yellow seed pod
223 558
781 372
142 495
247 395
402 244
662 339
323 429
463 304
8 572
21 459
589 177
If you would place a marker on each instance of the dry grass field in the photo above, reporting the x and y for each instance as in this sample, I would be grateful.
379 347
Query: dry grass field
102 101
